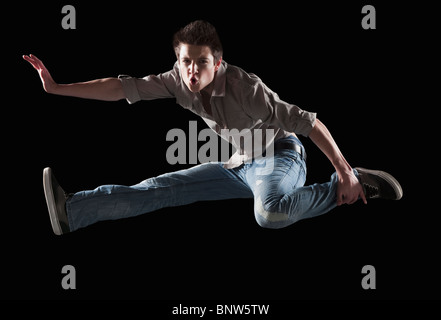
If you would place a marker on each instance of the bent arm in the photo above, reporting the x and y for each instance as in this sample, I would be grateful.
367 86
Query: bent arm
349 189
108 89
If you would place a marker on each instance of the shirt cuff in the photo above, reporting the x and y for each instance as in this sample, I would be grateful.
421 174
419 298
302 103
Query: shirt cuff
305 126
130 89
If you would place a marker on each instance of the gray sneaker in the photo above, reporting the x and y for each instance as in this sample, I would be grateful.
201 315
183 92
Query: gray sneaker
379 184
56 202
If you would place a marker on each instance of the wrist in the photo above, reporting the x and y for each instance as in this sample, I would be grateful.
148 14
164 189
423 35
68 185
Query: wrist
52 88
343 169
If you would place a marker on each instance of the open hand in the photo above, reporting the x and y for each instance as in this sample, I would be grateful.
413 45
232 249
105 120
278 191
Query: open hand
46 79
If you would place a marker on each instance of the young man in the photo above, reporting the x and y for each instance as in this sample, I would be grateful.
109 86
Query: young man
227 98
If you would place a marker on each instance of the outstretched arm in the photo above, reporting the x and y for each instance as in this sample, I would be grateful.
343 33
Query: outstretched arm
349 189
108 89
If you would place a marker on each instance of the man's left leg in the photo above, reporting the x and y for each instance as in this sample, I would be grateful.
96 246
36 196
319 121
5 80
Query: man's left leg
281 198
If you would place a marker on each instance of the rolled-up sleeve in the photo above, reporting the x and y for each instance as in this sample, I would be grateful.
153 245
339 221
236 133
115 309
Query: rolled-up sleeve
264 104
151 87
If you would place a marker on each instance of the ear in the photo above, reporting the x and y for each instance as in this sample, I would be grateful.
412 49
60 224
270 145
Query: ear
217 65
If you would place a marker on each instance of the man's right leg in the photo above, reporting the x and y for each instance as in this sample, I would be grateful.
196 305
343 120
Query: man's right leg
208 181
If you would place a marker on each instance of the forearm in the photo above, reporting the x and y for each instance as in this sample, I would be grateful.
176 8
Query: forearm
321 136
108 89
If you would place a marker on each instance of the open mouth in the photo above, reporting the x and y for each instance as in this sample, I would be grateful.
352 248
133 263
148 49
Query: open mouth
193 80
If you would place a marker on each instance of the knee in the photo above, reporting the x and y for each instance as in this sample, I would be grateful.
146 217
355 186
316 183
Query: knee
268 216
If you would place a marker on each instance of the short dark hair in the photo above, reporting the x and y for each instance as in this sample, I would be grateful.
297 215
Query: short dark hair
199 33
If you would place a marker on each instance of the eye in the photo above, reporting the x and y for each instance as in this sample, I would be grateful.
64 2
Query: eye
186 61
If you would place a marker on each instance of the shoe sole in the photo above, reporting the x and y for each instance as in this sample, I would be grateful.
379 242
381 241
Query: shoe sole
389 178
50 201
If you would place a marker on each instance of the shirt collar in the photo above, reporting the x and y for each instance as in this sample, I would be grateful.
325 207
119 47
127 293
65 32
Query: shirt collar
220 80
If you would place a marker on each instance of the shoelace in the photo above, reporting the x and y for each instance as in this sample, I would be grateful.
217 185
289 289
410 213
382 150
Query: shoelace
371 191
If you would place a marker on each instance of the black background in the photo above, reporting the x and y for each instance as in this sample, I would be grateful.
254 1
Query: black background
369 87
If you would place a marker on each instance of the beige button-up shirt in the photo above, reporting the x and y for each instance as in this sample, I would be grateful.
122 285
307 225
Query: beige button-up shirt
240 104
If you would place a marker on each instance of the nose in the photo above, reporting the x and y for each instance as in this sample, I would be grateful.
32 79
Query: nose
193 69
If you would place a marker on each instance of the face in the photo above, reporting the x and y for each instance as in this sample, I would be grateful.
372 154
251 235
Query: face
197 66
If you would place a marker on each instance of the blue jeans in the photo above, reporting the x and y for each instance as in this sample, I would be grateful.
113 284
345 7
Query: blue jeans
276 183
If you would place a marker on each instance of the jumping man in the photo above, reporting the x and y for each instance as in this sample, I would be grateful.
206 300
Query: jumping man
227 98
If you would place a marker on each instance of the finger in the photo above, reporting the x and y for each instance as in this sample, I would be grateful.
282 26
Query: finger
32 61
36 59
28 59
40 64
